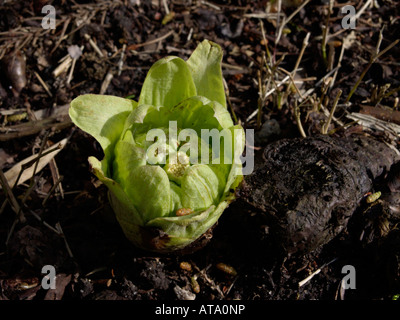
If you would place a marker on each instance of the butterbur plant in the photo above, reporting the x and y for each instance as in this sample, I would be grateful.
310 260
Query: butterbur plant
171 159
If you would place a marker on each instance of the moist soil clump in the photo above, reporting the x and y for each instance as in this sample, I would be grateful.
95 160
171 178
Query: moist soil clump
309 188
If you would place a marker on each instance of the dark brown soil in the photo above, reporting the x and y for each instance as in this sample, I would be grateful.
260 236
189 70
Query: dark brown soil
75 230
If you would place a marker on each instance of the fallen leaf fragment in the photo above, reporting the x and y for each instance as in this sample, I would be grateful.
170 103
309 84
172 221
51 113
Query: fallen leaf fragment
12 174
62 280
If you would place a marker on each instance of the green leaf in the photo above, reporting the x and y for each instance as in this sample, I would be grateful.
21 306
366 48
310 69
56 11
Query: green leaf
185 229
175 197
195 113
103 117
205 66
200 113
138 115
167 83
127 157
200 187
129 212
222 114
149 190
235 175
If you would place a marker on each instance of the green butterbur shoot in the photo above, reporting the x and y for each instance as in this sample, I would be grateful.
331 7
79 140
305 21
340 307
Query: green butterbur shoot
169 181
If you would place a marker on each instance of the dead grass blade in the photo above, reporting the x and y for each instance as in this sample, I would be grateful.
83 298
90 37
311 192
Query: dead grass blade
27 167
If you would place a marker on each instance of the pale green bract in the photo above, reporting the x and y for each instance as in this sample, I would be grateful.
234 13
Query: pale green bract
149 197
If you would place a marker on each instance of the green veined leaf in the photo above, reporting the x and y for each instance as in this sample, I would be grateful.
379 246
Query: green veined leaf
103 117
167 83
205 66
